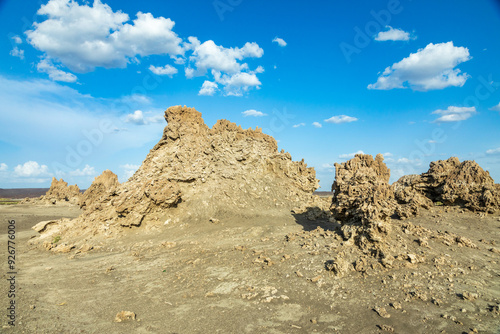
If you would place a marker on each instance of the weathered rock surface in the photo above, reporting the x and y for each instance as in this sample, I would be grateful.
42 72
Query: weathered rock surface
452 183
58 193
100 191
197 173
363 200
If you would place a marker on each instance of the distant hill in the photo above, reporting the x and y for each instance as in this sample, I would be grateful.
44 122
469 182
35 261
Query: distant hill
19 193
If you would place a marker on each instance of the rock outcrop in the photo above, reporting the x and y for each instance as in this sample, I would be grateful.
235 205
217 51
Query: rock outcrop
195 173
100 191
452 183
363 200
59 193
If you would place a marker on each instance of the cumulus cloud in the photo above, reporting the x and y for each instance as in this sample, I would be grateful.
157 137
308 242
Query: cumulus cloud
16 52
86 171
17 39
165 70
225 65
430 68
129 170
137 118
454 114
281 42
31 169
45 66
406 161
3 167
299 125
387 154
496 108
83 37
253 113
350 155
392 35
317 125
208 88
341 119
492 151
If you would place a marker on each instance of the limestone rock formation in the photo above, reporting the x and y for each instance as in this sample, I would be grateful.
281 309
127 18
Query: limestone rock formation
363 200
101 190
58 193
451 183
196 173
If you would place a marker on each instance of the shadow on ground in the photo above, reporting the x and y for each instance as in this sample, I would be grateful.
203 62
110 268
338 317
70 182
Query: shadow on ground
315 217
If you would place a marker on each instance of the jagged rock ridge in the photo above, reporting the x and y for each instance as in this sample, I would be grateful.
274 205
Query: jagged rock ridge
196 172
58 193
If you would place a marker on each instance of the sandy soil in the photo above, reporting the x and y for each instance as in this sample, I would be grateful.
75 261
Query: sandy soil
262 274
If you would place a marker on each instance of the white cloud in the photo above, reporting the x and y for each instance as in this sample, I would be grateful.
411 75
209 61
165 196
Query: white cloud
317 125
86 171
238 83
281 42
31 169
137 118
496 108
208 88
454 114
212 56
392 35
430 68
3 167
350 155
129 170
165 70
387 154
299 125
328 166
406 161
45 66
16 52
341 119
83 37
253 113
492 151
17 39
225 66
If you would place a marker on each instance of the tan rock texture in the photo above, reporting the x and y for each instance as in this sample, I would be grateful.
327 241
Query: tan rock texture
58 193
363 200
450 182
196 173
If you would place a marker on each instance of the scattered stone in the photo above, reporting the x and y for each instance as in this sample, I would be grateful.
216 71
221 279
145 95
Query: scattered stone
468 296
338 266
386 328
463 241
381 311
396 305
124 316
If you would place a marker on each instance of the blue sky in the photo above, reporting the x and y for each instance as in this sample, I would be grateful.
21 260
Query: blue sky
83 85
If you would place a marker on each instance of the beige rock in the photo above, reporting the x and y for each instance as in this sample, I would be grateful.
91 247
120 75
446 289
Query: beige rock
58 193
451 183
195 173
363 200
124 316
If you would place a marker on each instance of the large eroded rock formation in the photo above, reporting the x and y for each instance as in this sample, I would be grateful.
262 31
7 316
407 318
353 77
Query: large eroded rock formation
363 200
451 183
58 193
197 173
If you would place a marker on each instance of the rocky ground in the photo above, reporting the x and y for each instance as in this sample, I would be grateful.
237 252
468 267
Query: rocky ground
263 274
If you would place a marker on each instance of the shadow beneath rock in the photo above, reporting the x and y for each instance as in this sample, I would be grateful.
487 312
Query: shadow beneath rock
315 217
